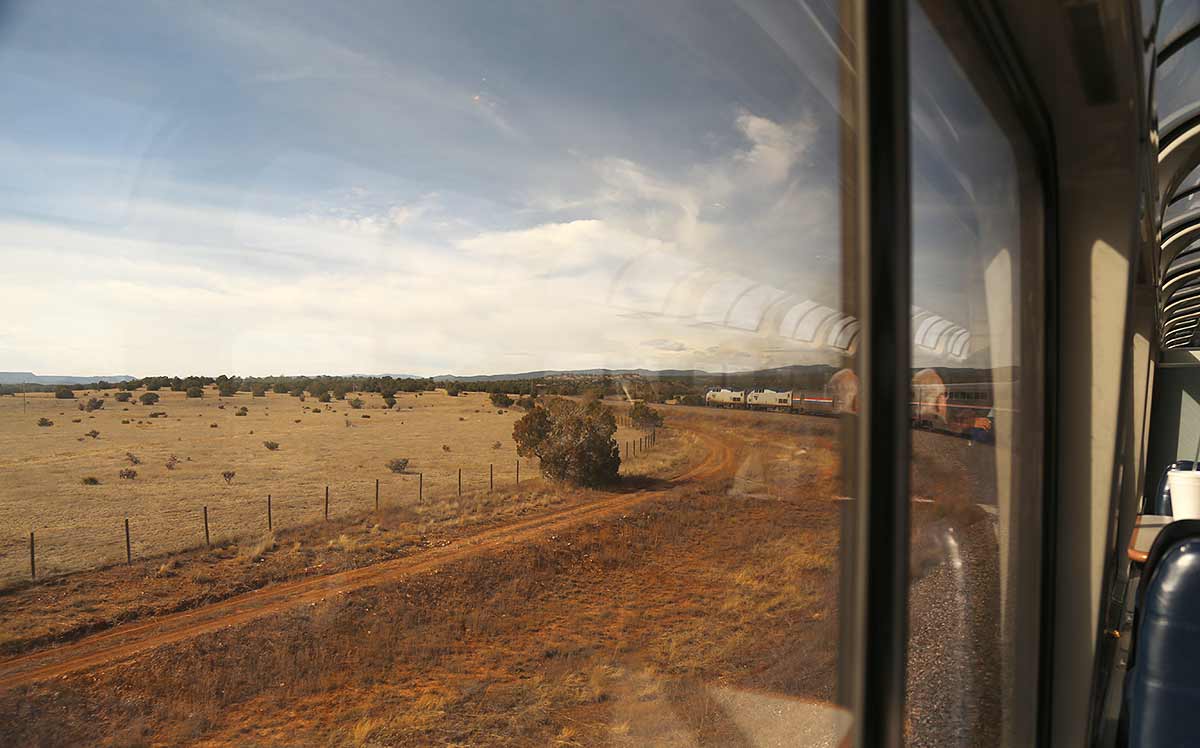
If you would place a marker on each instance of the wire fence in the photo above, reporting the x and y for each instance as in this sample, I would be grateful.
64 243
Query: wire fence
99 541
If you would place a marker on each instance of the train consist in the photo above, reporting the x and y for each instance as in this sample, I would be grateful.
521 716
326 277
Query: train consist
967 409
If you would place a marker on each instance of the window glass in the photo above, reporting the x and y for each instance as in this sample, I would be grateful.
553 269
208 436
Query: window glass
975 412
489 369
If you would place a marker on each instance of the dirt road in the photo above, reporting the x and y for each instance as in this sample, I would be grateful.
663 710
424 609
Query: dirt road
125 641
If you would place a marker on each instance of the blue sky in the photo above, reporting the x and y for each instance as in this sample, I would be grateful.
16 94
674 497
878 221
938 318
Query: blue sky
424 187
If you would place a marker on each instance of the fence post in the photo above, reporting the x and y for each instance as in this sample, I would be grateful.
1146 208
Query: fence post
420 487
128 549
206 540
269 528
491 477
377 494
32 568
460 481
326 503
518 472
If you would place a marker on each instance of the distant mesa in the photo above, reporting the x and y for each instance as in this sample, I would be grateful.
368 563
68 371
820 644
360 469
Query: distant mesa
28 377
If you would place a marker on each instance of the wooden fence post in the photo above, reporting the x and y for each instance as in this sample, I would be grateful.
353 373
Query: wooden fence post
269 528
128 548
32 568
206 540
420 487
518 472
491 477
460 481
377 494
326 503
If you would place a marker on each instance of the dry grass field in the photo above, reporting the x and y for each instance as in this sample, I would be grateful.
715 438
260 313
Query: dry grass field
656 613
80 526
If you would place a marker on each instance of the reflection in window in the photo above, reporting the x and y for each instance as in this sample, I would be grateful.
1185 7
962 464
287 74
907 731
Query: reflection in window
975 450
632 201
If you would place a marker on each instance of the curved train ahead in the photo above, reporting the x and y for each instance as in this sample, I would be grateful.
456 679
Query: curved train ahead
966 409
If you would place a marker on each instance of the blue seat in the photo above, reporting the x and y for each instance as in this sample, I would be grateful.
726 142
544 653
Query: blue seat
1162 688
1160 502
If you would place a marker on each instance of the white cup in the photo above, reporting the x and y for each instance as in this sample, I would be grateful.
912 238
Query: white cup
1185 493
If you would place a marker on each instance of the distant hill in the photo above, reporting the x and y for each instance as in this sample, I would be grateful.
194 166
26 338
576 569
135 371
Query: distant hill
546 373
28 377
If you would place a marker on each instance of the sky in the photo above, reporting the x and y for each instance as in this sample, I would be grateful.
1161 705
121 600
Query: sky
455 187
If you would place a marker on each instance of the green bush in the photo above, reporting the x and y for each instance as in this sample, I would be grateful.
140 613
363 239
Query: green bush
91 480
63 393
644 417
45 422
148 398
123 397
573 441
195 392
324 397
501 400
398 465
356 403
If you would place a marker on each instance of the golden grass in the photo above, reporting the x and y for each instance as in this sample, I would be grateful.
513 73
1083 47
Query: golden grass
79 526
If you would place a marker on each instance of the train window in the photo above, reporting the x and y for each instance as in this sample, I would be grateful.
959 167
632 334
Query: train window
374 253
977 228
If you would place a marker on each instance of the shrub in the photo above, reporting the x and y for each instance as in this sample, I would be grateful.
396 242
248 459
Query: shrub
133 459
280 388
228 388
574 441
127 473
93 433
501 400
453 389
63 393
148 398
271 445
228 475
356 403
91 480
297 392
389 401
526 403
158 414
123 397
497 445
644 417
445 447
212 425
91 404
241 411
398 465
258 391
195 392
172 461
45 422
325 397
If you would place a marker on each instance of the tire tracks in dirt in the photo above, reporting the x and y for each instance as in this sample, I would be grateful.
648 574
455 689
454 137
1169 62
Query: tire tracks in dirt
125 641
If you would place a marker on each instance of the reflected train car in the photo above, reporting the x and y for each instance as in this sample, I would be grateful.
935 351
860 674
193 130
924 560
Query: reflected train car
813 403
964 408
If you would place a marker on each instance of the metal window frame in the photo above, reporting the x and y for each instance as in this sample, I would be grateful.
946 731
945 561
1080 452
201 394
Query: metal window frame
883 296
